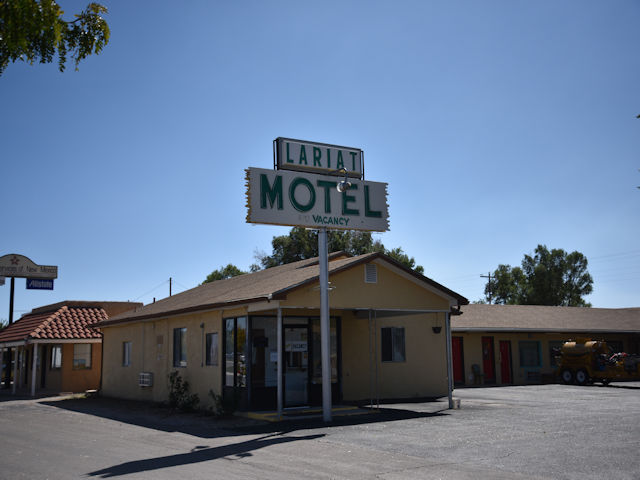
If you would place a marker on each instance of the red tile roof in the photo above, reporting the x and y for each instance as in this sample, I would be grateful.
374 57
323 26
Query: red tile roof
65 323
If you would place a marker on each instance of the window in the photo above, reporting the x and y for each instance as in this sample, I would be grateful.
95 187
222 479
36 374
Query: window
56 356
126 354
393 344
529 353
212 349
81 356
179 347
235 352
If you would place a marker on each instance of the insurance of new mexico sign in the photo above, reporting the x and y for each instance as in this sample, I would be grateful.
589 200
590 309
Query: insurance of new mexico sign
283 197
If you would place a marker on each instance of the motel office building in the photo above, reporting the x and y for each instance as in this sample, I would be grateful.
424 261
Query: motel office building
387 327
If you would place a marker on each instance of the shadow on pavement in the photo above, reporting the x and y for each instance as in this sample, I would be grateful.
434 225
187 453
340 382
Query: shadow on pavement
149 415
198 454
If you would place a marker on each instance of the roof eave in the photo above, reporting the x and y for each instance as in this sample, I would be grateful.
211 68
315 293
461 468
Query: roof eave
181 311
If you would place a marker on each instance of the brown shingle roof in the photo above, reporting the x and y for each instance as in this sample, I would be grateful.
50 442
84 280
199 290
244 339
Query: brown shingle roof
271 283
65 323
545 318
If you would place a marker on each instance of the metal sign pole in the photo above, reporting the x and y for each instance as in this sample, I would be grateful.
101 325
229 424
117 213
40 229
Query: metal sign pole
13 287
323 254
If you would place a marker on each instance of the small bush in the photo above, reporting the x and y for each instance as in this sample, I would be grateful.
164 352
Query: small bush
179 396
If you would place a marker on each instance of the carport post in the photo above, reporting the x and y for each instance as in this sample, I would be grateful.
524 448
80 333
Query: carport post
447 322
15 370
325 349
33 369
279 364
1 366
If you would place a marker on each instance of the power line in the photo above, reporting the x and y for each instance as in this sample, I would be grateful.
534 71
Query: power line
152 290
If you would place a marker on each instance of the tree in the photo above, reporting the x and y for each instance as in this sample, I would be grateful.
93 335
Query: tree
223 273
301 244
33 30
548 277
398 255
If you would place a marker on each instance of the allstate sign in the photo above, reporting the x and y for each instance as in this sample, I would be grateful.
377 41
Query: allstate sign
282 197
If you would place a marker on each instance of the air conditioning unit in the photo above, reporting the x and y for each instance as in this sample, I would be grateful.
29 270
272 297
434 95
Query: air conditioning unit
145 379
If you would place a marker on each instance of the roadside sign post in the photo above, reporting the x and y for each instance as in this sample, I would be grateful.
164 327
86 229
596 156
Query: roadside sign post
306 189
325 331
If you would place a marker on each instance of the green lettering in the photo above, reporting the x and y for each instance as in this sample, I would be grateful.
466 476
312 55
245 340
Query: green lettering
328 186
340 163
367 210
353 160
292 194
303 156
274 194
328 158
317 155
289 160
346 199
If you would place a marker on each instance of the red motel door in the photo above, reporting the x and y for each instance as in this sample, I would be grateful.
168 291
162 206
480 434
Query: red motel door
456 354
488 360
505 361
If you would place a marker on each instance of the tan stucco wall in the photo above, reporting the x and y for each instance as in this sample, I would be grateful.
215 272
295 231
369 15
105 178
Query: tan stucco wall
472 352
349 290
422 374
152 351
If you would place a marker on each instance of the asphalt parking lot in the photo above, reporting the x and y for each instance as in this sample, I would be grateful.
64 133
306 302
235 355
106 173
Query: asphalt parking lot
546 431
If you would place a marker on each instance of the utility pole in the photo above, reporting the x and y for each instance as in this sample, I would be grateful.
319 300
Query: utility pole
169 286
489 277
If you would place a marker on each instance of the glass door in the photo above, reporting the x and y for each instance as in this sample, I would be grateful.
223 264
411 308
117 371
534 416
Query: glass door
296 366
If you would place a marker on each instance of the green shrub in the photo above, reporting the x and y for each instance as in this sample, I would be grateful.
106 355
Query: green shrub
179 396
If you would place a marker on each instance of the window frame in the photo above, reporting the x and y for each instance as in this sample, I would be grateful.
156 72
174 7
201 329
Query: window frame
396 350
180 347
126 353
212 346
52 363
77 356
537 343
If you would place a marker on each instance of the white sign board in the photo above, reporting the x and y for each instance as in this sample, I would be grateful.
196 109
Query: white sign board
281 197
15 265
301 155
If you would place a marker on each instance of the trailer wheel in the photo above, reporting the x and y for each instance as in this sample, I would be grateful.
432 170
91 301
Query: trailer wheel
582 377
567 376
605 381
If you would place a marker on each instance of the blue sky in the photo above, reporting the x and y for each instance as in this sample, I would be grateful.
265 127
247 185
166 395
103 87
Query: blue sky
498 125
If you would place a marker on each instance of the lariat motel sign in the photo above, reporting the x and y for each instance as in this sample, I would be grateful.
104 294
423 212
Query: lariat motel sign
301 190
